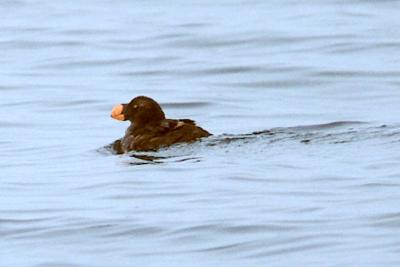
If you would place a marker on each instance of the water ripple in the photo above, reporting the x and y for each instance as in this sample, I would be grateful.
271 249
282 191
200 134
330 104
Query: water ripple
322 192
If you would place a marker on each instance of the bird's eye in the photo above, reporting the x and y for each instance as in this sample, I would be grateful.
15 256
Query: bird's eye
134 106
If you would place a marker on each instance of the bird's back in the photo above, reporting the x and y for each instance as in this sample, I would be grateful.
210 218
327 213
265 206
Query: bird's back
167 133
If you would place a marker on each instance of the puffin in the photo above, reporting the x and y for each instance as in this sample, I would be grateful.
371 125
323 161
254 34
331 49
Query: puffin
150 130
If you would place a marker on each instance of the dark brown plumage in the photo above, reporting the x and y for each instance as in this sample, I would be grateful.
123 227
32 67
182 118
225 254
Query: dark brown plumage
149 129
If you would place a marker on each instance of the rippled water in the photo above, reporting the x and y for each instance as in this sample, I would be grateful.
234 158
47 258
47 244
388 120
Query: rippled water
303 100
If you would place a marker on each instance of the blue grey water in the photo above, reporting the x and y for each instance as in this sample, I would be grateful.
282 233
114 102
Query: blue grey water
318 185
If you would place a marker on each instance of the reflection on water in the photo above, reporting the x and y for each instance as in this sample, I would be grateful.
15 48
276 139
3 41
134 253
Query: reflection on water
302 99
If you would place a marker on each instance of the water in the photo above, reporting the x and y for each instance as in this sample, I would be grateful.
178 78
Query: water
319 186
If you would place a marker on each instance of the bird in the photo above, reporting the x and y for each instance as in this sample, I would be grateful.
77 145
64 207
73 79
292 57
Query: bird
150 130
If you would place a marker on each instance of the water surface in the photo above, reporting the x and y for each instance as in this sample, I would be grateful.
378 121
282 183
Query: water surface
303 100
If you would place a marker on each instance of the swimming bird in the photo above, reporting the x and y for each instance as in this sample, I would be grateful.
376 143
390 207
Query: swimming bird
150 130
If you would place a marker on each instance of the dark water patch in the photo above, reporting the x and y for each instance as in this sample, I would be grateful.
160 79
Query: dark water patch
57 264
189 159
18 234
228 139
151 73
336 48
247 179
350 74
14 222
388 220
346 48
229 70
330 125
38 45
134 231
30 150
276 69
253 229
385 45
109 185
85 32
303 39
297 248
12 3
194 73
14 124
259 249
61 228
381 185
222 228
143 161
124 61
73 103
203 42
201 73
106 150
147 158
167 36
186 105
307 194
27 29
194 25
383 2
281 84
205 227
28 184
37 211
332 179
85 64
11 88
63 231
237 247
3 142
245 249
159 59
357 14
126 44
20 103
345 132
160 196
358 47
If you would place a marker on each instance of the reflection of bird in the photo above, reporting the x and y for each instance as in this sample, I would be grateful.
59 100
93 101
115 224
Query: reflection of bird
149 129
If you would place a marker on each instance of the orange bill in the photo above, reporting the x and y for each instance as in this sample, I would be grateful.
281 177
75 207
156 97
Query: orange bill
117 112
